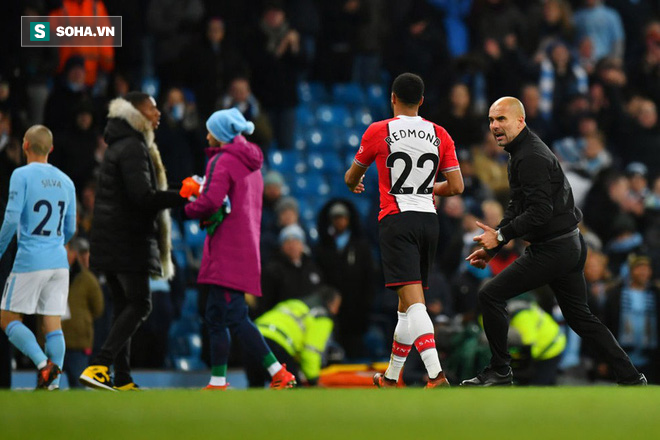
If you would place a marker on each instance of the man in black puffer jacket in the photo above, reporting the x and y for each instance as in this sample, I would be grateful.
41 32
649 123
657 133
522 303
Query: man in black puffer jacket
131 230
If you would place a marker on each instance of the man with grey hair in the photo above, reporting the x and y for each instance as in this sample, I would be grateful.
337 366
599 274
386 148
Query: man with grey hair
292 272
542 212
42 210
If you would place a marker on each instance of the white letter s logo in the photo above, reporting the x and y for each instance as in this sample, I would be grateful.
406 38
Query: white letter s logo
39 31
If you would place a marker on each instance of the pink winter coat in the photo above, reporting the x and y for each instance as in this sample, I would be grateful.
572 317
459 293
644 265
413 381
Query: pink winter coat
231 255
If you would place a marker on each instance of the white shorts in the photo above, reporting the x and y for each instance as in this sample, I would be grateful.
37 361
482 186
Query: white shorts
42 292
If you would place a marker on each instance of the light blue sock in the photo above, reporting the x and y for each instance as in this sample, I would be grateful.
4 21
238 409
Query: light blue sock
24 340
55 349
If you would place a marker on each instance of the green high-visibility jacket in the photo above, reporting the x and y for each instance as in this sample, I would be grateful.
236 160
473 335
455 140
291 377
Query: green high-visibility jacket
539 330
301 331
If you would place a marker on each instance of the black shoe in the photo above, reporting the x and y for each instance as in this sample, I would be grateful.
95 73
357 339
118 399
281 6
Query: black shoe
489 378
637 381
47 375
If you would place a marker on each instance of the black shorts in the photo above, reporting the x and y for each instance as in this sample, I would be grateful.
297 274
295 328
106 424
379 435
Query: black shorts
408 242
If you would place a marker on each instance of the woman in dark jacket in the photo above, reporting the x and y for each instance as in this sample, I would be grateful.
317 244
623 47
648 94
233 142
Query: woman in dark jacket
131 230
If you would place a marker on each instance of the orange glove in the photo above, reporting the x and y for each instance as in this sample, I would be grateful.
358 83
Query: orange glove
191 187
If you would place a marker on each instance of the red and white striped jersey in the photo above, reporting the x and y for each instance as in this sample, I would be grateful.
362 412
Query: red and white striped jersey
409 151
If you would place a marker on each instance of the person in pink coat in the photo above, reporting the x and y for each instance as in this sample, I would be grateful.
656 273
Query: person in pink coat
229 204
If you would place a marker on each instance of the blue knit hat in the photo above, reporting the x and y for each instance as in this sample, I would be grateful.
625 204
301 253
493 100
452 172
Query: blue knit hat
225 125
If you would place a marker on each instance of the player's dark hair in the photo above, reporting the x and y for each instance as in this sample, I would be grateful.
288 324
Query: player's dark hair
408 88
136 98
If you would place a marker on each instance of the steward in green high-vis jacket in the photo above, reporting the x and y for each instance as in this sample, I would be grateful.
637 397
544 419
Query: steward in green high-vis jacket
542 334
301 328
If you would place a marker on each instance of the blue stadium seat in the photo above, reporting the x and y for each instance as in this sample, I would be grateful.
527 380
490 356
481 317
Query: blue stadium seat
194 237
182 336
312 230
178 246
312 92
348 94
334 164
351 140
348 158
378 100
334 115
316 202
181 259
305 116
307 210
185 345
311 184
287 162
316 161
299 142
338 187
376 95
177 237
362 204
189 308
322 139
189 363
362 118
326 162
316 139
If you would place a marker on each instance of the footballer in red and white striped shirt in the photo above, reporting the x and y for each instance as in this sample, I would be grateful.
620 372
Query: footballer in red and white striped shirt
409 152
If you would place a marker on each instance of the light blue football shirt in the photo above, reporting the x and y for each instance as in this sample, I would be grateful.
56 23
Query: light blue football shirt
42 210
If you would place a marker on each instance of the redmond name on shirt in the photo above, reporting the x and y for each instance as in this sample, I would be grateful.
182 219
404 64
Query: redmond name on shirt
398 135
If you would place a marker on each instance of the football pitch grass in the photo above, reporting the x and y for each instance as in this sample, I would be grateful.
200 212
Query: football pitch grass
518 413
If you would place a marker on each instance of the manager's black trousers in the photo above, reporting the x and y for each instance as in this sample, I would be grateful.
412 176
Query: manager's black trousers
131 299
560 264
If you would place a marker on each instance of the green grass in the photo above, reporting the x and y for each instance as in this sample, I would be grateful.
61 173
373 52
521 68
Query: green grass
513 413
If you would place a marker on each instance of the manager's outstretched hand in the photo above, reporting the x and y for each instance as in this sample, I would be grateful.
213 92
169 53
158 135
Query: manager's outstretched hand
489 238
479 259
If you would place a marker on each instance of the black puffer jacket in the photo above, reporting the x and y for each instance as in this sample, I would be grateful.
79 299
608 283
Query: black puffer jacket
125 231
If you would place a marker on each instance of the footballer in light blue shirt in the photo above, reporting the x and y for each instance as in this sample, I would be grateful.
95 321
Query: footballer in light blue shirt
42 211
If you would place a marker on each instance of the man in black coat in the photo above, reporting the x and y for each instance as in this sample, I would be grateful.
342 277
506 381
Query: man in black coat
75 154
344 257
67 95
130 236
289 274
542 212
276 59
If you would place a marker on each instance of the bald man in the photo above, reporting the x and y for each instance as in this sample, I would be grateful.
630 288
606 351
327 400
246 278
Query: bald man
42 209
542 212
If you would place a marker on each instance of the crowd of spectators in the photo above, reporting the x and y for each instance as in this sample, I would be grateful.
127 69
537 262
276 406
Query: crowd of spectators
587 71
